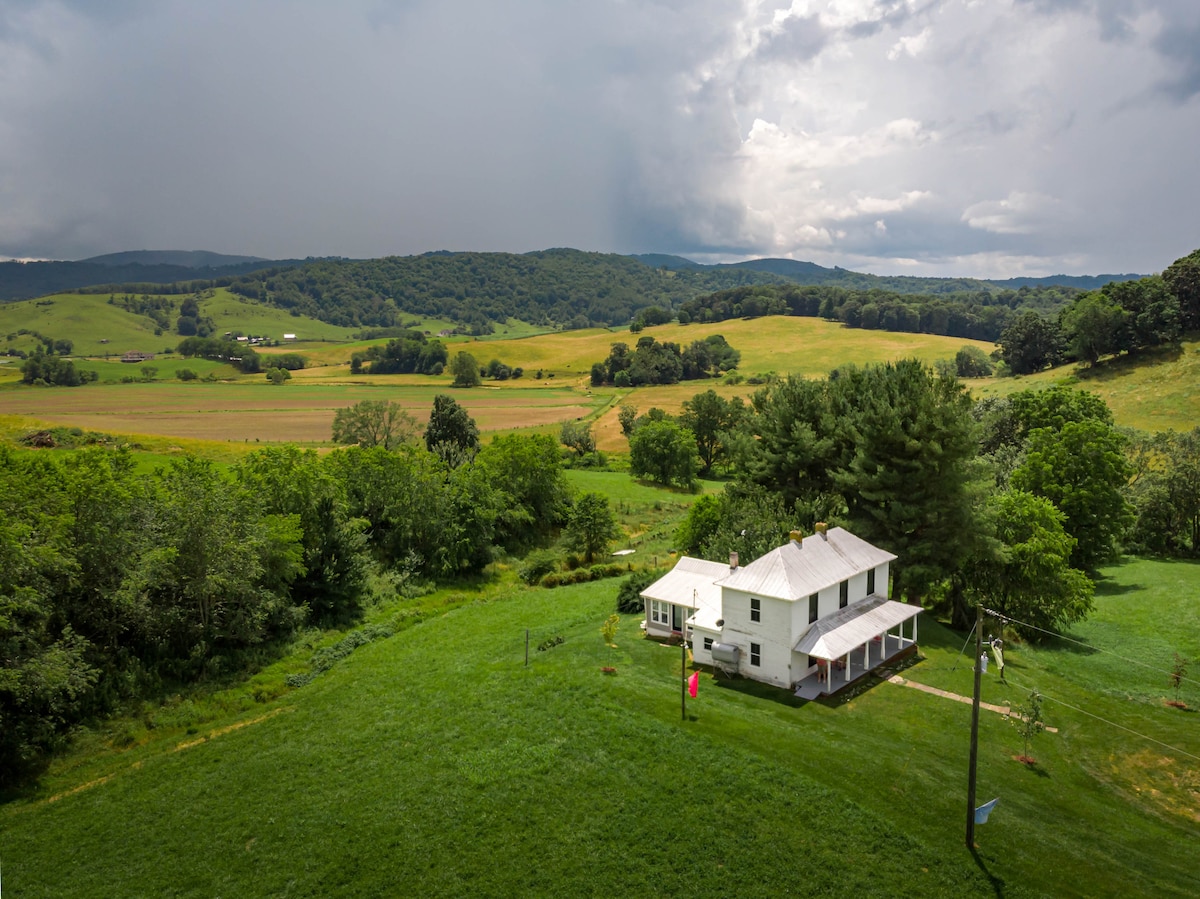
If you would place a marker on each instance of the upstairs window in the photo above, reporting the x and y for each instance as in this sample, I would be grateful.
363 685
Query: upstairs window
843 594
756 610
870 582
812 608
708 643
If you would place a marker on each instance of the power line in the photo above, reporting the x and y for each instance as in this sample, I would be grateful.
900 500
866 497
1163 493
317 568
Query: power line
1106 721
1006 618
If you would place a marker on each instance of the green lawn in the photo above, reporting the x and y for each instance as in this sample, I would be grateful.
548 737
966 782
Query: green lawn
434 762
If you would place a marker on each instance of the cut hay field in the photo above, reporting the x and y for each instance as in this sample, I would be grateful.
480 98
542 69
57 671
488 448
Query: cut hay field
433 762
254 410
248 409
1154 394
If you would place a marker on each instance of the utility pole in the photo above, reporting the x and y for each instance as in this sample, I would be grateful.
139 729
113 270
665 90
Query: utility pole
974 728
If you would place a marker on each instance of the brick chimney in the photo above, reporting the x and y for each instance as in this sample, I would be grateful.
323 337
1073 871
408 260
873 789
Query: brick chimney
822 529
733 561
797 537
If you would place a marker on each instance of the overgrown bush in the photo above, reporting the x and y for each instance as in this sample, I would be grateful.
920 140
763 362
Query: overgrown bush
538 564
629 600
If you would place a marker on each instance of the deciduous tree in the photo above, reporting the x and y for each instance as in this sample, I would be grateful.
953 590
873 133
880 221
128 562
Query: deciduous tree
374 423
665 452
591 526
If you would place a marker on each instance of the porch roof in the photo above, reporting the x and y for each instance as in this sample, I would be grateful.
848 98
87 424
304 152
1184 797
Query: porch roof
835 635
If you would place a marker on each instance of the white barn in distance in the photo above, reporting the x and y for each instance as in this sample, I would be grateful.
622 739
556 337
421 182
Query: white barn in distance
811 615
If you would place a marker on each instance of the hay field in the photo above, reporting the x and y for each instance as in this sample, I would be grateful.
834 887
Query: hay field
250 411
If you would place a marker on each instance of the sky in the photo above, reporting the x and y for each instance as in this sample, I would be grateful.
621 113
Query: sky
987 138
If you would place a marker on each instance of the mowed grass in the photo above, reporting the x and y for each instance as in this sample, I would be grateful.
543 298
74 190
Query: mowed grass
434 762
1154 392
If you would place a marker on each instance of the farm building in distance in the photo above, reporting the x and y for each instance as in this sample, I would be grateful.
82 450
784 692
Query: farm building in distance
811 615
136 356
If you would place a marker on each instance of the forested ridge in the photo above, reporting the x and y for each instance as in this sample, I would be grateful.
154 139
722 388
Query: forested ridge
564 287
26 280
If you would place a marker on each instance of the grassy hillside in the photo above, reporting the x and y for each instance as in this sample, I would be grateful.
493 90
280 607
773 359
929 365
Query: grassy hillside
1154 392
88 320
434 762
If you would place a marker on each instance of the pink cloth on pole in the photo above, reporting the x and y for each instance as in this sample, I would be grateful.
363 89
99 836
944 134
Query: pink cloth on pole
693 684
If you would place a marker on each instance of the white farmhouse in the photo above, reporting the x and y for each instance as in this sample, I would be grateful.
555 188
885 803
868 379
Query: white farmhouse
812 615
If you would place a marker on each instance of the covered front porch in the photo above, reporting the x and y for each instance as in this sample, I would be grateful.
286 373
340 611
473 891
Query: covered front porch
853 641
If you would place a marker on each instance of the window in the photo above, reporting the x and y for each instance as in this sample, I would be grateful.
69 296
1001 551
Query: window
843 594
756 610
870 581
812 608
660 612
755 654
707 643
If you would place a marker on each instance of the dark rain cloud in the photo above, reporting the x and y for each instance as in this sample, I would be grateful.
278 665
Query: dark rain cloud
903 135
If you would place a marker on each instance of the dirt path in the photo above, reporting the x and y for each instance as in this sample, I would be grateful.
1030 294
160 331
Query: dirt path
946 694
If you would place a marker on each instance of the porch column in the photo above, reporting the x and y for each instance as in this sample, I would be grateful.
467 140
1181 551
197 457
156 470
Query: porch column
914 628
847 672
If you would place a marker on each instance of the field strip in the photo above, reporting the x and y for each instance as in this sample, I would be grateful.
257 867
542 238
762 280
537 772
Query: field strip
219 732
946 694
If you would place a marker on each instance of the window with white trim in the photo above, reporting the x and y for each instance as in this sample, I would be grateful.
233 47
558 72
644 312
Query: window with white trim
843 594
660 612
756 610
813 607
870 582
707 643
755 655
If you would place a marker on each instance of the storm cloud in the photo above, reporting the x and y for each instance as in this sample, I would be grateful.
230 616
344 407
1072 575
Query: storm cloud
948 137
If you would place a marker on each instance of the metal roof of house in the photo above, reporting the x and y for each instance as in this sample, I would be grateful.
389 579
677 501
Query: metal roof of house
795 571
691 583
846 629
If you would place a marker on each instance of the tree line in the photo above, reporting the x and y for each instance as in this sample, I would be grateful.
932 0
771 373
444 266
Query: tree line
1125 317
979 314
117 585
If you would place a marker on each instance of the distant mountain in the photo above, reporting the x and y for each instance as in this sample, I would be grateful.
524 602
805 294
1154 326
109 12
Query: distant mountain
665 260
26 280
810 273
183 258
1085 282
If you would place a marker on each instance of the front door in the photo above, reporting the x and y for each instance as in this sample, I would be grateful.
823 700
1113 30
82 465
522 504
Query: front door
676 619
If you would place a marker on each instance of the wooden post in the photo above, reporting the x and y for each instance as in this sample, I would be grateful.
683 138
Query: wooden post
526 647
974 758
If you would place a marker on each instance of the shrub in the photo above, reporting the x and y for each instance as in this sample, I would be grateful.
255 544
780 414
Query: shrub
538 564
629 600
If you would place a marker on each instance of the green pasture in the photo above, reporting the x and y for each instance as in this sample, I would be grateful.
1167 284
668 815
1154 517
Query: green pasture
97 328
434 762
1154 391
